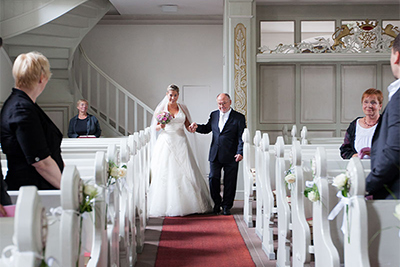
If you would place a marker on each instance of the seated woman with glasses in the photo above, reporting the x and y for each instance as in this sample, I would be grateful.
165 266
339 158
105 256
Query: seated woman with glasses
358 138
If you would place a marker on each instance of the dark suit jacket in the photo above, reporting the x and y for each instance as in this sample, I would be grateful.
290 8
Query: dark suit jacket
385 153
226 144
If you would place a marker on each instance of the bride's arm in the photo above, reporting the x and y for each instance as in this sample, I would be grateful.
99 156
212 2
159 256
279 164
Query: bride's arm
187 124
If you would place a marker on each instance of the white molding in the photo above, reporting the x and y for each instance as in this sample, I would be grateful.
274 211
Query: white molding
160 20
333 57
36 17
64 108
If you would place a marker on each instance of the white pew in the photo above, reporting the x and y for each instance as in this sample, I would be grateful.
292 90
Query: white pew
113 210
267 173
248 178
328 238
369 218
329 140
29 230
284 210
301 209
259 184
284 234
124 228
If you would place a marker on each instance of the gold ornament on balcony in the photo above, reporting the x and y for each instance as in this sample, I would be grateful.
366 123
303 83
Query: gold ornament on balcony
339 34
367 37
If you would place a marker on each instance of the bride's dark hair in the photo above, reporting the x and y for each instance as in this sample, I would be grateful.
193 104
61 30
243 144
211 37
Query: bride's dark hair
173 87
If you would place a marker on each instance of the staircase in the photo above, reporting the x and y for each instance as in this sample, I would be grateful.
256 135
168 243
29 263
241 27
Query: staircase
56 28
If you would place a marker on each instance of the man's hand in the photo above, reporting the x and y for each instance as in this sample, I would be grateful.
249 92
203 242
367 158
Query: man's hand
238 157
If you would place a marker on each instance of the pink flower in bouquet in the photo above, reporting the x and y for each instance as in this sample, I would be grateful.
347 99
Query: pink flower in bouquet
164 117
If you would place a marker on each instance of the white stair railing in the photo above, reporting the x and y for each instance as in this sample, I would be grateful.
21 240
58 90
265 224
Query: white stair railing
109 100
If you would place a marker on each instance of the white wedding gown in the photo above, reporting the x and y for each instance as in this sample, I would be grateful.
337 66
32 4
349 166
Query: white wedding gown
177 185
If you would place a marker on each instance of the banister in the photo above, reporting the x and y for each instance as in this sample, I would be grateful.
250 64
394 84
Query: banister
110 80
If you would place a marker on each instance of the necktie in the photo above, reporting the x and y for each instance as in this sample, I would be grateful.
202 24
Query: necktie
221 122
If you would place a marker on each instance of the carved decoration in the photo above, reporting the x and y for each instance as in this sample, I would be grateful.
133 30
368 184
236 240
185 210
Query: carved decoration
240 69
364 37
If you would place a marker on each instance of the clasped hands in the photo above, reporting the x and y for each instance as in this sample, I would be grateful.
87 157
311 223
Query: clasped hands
192 127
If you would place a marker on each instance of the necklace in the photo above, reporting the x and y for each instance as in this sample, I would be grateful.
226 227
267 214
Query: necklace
369 125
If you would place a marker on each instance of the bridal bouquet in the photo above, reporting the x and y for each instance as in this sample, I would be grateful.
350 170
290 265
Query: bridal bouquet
164 117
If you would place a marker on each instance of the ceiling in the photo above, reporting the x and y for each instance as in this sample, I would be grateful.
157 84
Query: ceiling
210 7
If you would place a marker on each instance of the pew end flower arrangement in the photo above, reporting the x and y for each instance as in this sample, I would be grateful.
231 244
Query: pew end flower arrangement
311 192
290 177
342 183
115 172
88 194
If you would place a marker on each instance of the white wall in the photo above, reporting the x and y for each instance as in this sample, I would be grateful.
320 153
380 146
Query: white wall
145 59
6 79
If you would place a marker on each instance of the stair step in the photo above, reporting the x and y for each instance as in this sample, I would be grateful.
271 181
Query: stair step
57 30
45 41
58 63
72 21
49 52
59 73
84 11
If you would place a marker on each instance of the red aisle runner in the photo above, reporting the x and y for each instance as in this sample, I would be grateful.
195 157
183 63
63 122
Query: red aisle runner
199 240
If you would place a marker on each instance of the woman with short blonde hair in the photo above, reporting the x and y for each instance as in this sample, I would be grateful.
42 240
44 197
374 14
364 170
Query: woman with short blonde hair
30 140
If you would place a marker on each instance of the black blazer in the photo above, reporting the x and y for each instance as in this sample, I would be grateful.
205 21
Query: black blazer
226 144
27 136
385 153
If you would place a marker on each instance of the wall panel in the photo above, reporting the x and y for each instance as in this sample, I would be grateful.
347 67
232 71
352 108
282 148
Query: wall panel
277 94
318 86
355 80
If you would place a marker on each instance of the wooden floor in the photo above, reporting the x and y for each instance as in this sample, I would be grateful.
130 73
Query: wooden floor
148 256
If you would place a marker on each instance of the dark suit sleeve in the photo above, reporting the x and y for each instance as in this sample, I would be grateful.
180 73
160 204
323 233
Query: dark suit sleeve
241 127
97 125
387 162
204 128
71 129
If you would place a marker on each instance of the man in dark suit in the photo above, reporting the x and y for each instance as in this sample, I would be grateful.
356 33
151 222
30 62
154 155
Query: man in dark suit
226 150
384 180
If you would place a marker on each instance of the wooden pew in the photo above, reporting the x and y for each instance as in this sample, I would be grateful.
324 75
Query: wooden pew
374 238
267 173
28 227
284 234
328 239
259 184
285 156
329 140
248 178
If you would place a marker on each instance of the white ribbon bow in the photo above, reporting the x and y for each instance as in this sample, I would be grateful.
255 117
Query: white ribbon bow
310 184
10 260
344 201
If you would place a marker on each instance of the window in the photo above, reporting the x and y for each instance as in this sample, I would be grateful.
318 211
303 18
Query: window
311 30
274 33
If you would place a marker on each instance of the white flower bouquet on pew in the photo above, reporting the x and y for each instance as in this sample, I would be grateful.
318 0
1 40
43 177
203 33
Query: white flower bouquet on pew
89 192
342 182
115 172
290 177
311 192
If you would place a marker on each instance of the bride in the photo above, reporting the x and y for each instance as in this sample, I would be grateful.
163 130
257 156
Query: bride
177 185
